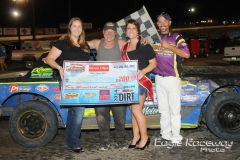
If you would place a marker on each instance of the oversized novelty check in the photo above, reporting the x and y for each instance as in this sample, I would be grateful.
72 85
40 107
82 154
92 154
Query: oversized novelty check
99 83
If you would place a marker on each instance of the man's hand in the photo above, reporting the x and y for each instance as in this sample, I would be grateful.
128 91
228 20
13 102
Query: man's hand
144 41
165 44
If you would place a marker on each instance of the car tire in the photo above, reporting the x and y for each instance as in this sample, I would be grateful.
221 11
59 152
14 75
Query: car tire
222 115
33 124
28 63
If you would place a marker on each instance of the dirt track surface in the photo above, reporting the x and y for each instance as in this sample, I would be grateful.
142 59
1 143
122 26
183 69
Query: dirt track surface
10 150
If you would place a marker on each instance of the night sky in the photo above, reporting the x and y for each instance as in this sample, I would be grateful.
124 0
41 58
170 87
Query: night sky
52 13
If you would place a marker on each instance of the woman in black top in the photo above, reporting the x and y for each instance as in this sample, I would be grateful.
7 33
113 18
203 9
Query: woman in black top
74 47
145 55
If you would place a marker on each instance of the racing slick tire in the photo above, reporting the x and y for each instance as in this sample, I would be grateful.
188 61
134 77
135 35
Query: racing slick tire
223 115
33 124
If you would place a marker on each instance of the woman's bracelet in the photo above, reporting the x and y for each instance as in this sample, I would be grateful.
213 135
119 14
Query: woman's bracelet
59 67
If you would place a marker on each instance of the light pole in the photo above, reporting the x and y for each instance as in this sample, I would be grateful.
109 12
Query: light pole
69 9
33 21
33 15
16 15
191 10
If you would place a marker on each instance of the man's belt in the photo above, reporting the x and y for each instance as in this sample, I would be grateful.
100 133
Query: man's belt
162 75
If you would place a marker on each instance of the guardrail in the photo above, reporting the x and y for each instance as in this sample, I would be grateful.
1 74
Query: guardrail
98 34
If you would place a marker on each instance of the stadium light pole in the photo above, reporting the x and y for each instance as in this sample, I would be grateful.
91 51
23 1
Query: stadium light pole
16 15
135 4
33 21
191 15
33 15
69 9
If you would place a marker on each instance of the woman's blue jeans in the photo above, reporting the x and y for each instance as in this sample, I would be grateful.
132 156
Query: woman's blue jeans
73 128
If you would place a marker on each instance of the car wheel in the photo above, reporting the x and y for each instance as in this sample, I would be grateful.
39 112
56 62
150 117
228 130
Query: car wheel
223 115
29 63
33 124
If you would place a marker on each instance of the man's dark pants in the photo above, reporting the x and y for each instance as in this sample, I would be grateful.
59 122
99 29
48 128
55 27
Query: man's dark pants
103 120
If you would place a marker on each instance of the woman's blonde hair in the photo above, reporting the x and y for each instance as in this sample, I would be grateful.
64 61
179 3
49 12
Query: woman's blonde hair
81 39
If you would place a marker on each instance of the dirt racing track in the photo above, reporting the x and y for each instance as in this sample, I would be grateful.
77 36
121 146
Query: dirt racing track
198 143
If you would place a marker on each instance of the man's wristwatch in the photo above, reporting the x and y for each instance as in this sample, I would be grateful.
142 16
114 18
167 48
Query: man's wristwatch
59 67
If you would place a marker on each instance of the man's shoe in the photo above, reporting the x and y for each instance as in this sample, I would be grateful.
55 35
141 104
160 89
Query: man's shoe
121 145
104 146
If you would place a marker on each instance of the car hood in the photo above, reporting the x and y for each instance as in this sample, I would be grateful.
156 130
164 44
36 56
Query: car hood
13 74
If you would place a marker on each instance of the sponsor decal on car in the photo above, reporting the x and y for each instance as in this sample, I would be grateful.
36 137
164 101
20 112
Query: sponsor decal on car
150 111
42 88
57 97
188 90
56 89
203 87
189 98
41 72
15 88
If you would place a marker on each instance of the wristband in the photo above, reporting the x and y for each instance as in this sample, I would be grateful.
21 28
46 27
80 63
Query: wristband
59 67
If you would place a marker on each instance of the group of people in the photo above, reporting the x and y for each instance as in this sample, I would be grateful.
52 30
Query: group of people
167 68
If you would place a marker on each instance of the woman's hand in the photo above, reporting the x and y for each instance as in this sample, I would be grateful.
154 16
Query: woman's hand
140 74
61 73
